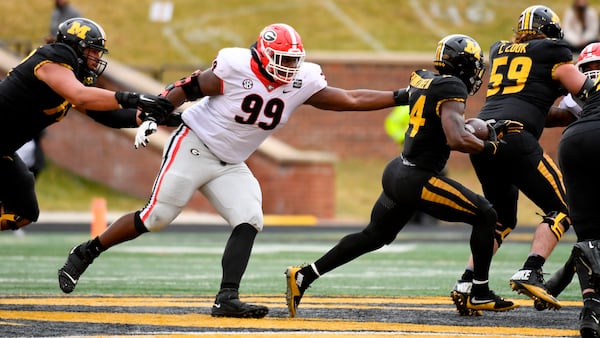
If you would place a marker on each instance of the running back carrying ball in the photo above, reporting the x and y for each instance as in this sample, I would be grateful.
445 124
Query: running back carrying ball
477 127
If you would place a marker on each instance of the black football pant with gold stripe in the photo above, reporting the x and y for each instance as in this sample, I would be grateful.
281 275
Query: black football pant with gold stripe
520 164
407 189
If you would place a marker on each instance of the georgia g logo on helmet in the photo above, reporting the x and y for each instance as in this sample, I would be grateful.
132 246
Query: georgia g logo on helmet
269 36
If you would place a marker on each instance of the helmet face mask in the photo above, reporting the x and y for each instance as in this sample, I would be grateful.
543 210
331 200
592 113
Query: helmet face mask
281 52
540 19
461 56
88 40
588 61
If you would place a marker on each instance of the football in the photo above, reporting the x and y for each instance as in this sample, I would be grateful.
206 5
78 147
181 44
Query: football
477 127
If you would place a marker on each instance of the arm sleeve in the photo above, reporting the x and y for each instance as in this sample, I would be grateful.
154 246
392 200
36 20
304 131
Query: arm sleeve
118 118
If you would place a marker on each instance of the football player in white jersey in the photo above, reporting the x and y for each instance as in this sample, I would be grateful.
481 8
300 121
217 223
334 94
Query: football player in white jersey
242 99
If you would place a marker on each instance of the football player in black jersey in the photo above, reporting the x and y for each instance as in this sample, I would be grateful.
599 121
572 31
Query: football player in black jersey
40 91
527 75
577 148
413 181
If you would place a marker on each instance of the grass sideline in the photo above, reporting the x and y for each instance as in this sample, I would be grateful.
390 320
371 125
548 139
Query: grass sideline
188 263
196 31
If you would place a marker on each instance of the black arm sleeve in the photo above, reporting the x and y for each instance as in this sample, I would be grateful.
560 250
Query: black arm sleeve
118 118
587 87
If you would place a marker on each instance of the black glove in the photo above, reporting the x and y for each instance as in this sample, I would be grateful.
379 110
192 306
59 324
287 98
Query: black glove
491 145
155 107
401 96
173 119
504 127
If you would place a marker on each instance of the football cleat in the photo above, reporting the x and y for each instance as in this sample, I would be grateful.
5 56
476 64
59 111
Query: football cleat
74 267
228 304
294 289
589 323
558 282
459 294
531 284
491 302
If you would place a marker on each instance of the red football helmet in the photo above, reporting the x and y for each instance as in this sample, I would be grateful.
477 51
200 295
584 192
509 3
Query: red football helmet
281 52
589 61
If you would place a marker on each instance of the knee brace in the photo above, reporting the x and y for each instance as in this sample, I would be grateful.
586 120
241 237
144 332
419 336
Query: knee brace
501 233
555 219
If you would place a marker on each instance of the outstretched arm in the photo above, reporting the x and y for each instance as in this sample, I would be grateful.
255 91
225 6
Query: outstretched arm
332 98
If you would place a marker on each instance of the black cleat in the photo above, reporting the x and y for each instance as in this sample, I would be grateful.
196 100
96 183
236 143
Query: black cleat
589 325
459 294
294 291
557 283
531 284
74 267
490 302
228 304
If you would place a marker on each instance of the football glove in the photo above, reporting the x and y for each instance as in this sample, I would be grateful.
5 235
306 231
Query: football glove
570 105
153 106
173 119
504 127
491 145
147 128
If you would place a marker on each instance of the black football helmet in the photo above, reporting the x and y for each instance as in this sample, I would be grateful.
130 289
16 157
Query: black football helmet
461 56
540 19
80 34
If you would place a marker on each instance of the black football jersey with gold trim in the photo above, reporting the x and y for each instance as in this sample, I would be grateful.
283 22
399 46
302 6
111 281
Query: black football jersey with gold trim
521 85
27 104
425 142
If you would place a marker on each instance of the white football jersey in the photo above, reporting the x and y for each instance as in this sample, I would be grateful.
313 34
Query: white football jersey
234 124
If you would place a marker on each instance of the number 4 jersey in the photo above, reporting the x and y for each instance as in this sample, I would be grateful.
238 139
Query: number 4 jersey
522 85
251 107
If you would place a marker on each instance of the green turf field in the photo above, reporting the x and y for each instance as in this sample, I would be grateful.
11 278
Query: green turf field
188 263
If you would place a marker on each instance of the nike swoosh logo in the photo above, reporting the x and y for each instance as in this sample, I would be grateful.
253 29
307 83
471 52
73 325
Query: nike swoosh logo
69 276
286 91
218 306
475 301
591 245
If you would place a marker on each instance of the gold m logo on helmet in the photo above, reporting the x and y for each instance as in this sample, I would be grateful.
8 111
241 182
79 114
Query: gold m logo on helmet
473 48
79 30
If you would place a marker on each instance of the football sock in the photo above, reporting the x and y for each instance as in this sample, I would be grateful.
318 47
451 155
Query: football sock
534 262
